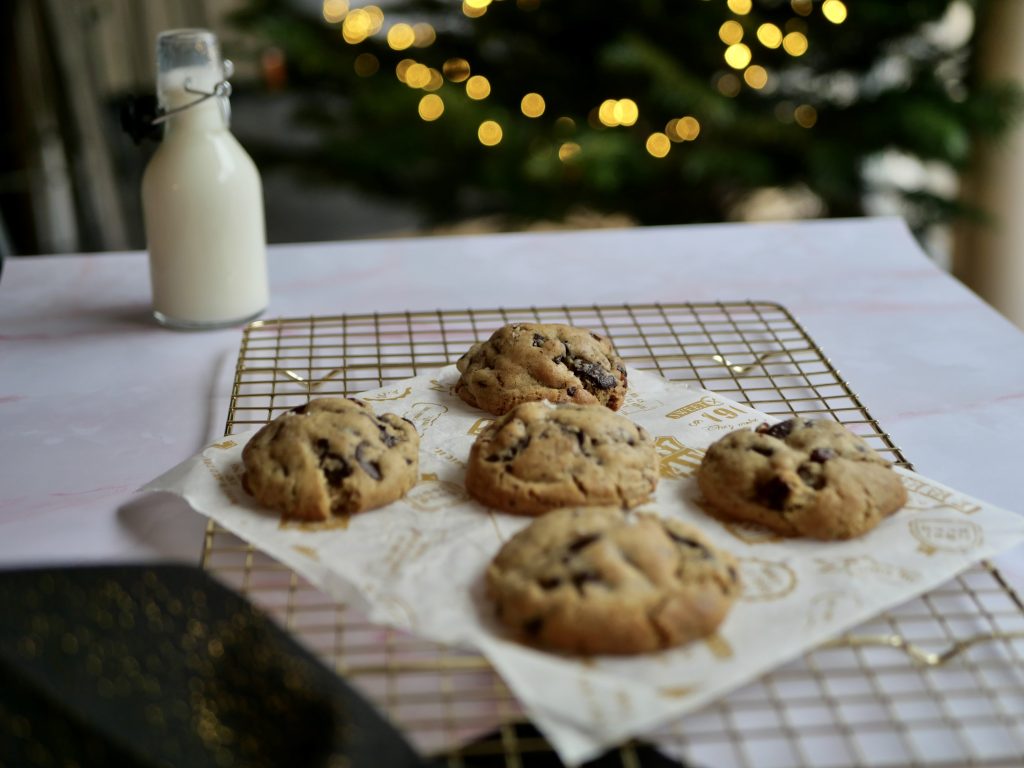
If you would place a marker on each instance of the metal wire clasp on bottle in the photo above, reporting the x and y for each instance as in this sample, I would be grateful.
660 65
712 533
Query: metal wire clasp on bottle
221 89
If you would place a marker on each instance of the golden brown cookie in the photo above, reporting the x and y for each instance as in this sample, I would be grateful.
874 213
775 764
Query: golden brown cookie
332 456
523 362
596 580
540 456
801 478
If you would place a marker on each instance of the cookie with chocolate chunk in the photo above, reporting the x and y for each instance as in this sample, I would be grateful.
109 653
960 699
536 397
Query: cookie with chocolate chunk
595 580
332 456
541 456
801 478
522 362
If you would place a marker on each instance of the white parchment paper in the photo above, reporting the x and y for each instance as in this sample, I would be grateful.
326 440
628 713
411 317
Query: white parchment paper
418 564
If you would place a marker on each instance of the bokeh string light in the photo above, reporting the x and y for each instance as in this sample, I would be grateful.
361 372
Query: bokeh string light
359 24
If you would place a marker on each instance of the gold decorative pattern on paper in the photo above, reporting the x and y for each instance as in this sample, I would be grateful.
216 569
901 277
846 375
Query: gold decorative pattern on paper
633 404
230 488
936 535
433 495
719 647
695 407
822 608
480 425
225 444
675 459
424 415
751 533
940 496
677 692
765 580
307 552
866 565
437 386
393 394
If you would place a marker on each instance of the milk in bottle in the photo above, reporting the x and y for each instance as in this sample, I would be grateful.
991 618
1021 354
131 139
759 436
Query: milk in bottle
202 196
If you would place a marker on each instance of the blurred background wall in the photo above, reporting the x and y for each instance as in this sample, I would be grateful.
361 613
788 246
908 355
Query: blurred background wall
405 117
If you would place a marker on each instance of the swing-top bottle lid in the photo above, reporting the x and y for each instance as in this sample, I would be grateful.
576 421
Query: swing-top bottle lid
187 61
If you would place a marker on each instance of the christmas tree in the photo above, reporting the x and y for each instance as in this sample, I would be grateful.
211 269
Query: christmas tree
669 112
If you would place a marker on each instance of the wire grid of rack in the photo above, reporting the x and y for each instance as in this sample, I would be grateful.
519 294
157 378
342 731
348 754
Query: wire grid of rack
842 704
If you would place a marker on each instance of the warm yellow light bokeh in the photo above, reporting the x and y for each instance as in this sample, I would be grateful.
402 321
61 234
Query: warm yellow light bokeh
795 43
737 56
834 11
376 19
565 124
356 26
477 4
417 75
478 87
606 113
756 76
366 64
471 12
688 128
402 67
805 115
730 32
769 35
335 10
803 7
658 144
423 35
728 85
489 133
401 36
532 105
626 112
456 70
568 151
435 82
740 7
431 107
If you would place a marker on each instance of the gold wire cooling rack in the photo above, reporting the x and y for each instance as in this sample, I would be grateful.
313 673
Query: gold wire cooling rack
938 681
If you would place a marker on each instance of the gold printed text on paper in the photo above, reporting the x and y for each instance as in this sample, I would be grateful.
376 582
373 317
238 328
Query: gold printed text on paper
935 535
940 496
425 415
390 394
433 495
867 566
685 410
675 459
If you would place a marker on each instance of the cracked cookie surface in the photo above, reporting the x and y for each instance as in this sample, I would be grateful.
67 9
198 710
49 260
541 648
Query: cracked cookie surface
596 580
522 362
332 456
801 477
540 456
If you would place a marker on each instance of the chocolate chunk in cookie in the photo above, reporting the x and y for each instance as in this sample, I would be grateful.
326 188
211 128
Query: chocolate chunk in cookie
596 580
542 456
523 362
801 477
332 456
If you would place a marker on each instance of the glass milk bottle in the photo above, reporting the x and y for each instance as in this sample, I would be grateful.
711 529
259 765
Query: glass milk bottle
202 198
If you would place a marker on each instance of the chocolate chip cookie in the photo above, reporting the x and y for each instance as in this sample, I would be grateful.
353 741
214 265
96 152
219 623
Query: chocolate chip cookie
522 362
801 478
333 456
596 580
541 456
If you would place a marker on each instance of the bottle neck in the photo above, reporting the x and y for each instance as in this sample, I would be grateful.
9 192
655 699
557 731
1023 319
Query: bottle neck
205 117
